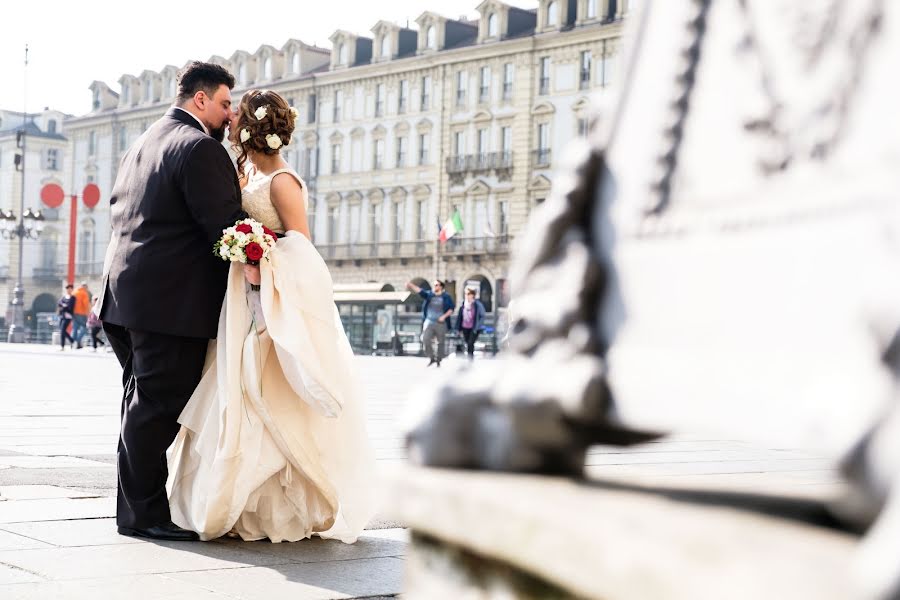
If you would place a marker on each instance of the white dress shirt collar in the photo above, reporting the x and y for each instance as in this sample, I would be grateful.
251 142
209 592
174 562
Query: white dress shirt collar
193 116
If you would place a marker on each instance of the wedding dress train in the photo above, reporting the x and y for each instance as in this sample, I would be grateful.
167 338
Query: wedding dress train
273 442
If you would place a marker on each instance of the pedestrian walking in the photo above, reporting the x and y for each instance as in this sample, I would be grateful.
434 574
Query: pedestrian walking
470 320
437 308
95 325
65 308
81 312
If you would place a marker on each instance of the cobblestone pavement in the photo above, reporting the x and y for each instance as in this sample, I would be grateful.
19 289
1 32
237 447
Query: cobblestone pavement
59 415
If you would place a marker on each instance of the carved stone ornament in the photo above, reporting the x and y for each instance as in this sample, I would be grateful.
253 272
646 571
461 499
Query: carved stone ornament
723 257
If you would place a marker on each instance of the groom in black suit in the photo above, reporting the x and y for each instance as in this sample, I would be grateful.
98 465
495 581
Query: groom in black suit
163 288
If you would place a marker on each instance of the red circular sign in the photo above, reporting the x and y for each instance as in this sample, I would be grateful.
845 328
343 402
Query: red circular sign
52 195
91 195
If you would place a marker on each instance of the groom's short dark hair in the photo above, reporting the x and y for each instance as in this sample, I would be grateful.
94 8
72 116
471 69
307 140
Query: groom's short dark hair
202 76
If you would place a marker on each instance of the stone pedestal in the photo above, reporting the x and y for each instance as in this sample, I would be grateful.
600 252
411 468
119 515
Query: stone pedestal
484 535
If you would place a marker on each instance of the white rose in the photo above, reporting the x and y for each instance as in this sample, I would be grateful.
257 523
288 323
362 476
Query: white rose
273 141
260 113
295 112
245 135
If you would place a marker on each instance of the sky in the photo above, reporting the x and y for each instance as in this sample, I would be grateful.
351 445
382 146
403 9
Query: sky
72 44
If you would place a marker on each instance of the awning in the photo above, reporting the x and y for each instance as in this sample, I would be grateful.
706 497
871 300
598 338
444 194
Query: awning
362 287
371 297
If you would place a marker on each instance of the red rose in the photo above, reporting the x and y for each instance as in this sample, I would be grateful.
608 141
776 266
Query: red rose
244 228
268 231
253 251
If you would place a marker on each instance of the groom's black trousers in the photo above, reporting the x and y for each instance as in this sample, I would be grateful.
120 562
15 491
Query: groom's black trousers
159 374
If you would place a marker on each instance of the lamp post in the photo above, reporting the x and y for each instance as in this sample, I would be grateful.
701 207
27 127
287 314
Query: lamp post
29 226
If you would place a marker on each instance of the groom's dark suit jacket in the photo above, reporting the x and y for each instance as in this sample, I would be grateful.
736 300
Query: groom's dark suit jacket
176 190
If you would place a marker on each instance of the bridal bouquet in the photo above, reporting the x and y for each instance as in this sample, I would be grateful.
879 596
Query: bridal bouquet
249 242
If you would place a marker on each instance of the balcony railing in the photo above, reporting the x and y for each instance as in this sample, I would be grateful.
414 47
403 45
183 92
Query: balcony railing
475 163
541 157
48 274
406 249
458 163
382 250
498 244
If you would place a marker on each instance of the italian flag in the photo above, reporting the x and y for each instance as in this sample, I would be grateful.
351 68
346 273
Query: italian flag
451 227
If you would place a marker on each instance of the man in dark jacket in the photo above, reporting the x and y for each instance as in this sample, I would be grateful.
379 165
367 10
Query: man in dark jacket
162 287
65 308
436 309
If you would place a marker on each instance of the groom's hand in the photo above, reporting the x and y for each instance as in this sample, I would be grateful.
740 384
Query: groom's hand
251 273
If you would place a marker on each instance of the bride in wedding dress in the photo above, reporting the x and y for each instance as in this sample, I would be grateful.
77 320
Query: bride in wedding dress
273 442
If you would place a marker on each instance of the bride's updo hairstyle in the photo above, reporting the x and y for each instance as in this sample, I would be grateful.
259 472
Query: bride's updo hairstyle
265 123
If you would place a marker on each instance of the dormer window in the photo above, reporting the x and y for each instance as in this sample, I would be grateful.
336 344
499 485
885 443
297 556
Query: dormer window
342 54
431 38
173 84
148 91
295 63
51 126
267 68
493 26
552 14
385 46
126 93
242 74
95 103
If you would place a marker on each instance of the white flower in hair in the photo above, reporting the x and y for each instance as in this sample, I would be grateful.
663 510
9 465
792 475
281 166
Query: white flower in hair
260 113
273 141
245 135
295 112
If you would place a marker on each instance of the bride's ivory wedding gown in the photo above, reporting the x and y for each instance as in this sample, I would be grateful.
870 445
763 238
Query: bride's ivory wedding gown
273 441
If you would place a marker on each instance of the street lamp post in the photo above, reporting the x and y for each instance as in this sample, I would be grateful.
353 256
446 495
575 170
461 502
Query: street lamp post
29 226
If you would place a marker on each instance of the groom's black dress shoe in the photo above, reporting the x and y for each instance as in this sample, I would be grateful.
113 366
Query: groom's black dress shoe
165 531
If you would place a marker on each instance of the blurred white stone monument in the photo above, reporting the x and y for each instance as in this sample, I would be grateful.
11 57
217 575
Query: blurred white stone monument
725 258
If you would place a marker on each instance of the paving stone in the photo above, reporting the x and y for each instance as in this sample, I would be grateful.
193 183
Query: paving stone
14 541
90 562
49 462
79 532
40 492
70 449
10 574
309 581
56 509
139 587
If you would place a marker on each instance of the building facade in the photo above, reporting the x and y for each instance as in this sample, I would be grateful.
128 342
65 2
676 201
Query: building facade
400 129
45 154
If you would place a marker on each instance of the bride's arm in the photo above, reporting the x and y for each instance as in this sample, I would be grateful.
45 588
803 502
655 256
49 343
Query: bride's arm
287 198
